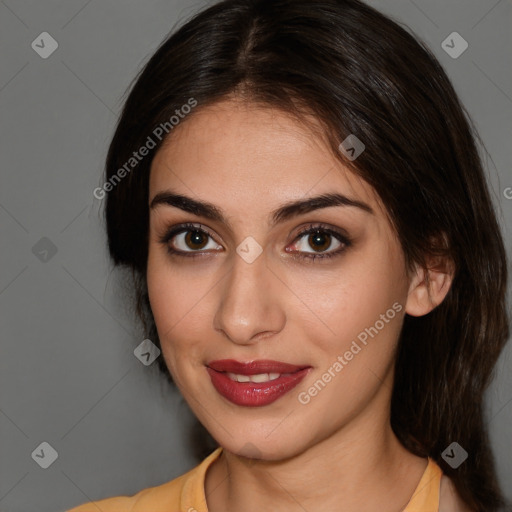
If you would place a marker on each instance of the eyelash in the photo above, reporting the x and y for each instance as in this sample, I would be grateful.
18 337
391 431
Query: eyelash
311 229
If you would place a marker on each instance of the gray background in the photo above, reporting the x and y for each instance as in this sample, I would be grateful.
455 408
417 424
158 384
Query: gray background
68 375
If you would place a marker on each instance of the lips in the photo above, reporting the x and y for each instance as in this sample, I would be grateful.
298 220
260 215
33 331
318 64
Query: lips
255 383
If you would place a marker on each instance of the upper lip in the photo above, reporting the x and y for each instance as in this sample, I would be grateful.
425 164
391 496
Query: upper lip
253 367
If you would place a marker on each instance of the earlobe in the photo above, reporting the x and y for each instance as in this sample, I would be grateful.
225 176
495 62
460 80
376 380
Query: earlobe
428 288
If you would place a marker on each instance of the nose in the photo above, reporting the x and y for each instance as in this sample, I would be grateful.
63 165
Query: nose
251 305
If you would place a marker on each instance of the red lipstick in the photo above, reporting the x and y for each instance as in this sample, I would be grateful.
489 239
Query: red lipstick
263 381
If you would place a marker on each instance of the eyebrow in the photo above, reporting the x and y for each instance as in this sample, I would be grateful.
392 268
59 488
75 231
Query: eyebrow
281 214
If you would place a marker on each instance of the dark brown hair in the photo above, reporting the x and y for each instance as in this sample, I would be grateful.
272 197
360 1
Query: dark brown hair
357 72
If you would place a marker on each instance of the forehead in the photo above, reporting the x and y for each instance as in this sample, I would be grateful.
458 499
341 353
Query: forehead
258 155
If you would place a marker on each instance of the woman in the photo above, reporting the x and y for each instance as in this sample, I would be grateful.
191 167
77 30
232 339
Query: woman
298 193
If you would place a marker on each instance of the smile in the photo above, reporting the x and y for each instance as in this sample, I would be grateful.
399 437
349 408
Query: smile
256 383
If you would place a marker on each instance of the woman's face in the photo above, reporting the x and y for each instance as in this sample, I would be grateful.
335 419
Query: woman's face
247 289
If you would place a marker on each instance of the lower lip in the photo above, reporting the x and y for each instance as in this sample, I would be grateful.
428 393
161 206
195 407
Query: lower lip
254 394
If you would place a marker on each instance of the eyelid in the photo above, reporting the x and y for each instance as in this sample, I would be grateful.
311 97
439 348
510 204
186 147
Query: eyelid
186 226
312 227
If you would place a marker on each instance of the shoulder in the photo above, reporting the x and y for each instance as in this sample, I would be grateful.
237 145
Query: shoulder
186 490
449 500
169 492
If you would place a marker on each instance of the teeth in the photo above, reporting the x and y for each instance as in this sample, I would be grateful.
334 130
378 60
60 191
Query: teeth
260 377
264 377
239 378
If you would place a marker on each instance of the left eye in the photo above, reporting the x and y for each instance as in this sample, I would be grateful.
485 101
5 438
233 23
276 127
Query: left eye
319 240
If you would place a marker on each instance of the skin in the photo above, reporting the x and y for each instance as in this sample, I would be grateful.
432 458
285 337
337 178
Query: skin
339 448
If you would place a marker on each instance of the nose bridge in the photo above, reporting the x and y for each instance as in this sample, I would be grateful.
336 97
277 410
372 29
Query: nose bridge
248 305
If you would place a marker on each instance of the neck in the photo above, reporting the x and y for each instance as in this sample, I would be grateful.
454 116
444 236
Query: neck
361 467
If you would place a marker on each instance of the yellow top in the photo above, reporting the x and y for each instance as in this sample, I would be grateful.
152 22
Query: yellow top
186 493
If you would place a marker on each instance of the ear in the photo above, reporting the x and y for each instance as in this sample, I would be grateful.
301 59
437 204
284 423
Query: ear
429 286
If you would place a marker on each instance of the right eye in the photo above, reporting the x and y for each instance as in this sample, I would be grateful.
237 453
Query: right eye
189 240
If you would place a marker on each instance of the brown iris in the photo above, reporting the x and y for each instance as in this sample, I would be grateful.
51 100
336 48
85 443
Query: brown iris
196 239
319 241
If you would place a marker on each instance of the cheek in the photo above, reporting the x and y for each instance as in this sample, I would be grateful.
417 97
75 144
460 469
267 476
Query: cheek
335 306
178 300
353 347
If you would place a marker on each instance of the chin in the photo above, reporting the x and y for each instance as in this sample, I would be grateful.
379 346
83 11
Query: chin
269 445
